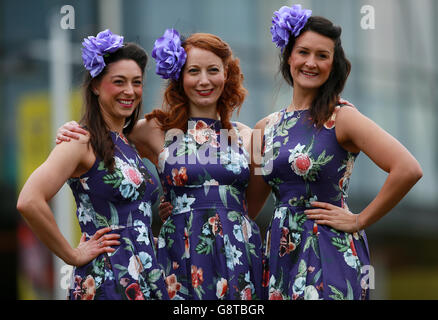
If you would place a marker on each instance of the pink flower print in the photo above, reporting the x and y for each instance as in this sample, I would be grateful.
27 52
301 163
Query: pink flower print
202 133
245 294
275 295
302 164
133 175
221 288
330 124
133 292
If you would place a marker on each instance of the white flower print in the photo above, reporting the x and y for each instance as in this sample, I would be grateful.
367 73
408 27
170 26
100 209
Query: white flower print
351 259
135 267
84 184
211 182
243 232
232 253
299 285
85 211
137 264
310 293
233 161
143 234
280 213
182 204
161 243
238 234
164 154
146 208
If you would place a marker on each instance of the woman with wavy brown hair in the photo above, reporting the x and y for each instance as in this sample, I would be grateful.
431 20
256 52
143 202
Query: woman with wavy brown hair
113 190
208 246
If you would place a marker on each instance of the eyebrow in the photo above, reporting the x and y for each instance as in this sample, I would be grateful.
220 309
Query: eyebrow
121 76
316 50
209 66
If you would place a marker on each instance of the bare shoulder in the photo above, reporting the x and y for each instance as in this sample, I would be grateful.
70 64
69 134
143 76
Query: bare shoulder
346 112
146 125
261 124
268 121
145 131
349 118
243 127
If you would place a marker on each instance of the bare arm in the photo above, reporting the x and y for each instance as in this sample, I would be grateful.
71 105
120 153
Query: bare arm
355 132
148 138
66 160
258 190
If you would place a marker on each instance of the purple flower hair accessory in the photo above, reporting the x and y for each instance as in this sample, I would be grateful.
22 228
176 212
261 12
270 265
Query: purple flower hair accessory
169 55
288 21
95 48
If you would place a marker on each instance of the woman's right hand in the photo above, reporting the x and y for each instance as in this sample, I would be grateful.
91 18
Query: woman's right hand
68 131
165 209
99 243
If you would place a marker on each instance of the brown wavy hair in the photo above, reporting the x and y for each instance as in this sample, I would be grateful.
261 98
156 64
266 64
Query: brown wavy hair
323 105
92 120
175 108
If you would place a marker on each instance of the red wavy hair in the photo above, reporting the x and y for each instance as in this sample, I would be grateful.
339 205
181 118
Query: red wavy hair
175 108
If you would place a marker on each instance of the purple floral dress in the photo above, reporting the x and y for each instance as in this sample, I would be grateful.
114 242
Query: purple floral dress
208 247
122 200
305 260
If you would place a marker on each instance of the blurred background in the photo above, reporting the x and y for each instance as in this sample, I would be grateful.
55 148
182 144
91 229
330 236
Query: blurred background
392 45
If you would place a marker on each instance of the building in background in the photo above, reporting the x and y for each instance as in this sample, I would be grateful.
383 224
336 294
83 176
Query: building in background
392 47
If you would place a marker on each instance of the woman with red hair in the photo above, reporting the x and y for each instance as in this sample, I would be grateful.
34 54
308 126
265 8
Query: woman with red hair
208 247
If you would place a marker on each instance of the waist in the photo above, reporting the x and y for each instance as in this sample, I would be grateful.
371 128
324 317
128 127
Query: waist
186 198
301 201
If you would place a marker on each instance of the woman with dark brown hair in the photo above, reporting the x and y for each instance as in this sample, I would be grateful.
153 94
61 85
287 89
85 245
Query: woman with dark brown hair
208 247
315 247
112 187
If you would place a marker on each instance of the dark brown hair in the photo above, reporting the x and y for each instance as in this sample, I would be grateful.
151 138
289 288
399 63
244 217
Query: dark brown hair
175 111
324 103
92 120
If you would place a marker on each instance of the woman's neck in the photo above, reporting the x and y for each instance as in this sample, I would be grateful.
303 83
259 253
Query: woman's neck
115 125
211 113
301 100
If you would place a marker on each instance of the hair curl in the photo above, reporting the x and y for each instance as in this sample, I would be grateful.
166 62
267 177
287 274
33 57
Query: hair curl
92 120
328 94
175 109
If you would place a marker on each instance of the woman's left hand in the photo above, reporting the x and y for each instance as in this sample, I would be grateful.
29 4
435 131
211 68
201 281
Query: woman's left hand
346 102
333 216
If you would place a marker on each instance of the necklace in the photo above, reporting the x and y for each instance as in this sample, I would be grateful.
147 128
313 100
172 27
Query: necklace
298 111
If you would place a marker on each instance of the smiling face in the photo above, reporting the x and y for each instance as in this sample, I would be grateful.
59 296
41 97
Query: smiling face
203 80
119 91
311 60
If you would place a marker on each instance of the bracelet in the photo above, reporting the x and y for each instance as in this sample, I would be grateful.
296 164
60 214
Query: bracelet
357 224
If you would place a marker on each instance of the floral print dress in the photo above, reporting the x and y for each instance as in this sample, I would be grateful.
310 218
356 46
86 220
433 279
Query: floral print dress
208 247
121 199
305 260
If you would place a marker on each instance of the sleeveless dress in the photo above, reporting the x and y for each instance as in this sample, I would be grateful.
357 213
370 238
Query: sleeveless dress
305 260
209 247
122 200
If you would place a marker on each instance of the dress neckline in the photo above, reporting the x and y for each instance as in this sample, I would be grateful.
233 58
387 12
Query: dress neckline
211 123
